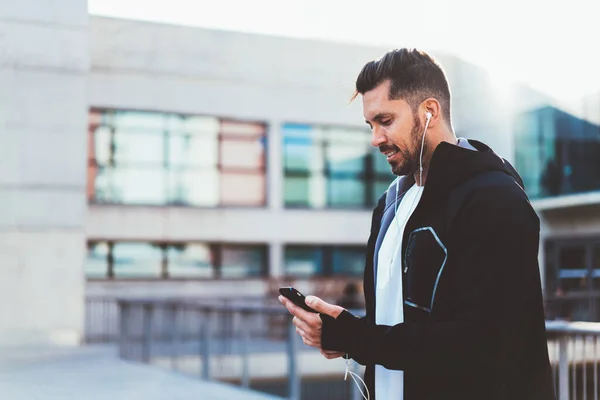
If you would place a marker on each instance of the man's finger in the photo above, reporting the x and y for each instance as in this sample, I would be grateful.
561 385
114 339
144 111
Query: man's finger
295 310
306 325
309 334
305 338
300 332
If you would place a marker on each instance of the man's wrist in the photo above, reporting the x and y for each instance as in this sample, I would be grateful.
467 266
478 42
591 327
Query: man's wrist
337 333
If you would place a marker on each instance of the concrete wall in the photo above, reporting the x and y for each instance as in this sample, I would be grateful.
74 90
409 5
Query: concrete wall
43 110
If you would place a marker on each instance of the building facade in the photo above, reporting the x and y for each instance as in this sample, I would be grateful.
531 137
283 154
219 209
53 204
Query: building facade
558 151
217 158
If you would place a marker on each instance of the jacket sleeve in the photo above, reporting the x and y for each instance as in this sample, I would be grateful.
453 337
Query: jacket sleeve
494 245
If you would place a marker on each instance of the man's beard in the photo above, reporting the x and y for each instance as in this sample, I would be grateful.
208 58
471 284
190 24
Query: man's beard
409 162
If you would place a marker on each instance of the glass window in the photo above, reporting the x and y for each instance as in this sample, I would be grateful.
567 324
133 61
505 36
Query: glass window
179 260
237 128
306 261
193 150
303 261
137 185
206 126
331 167
244 154
160 158
137 260
346 192
379 189
242 189
102 186
190 261
138 148
380 164
194 187
343 158
296 191
102 139
571 279
243 261
557 153
348 261
303 155
140 121
96 265
309 133
572 269
305 191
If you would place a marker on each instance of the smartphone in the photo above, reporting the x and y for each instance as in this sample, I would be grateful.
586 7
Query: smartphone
296 297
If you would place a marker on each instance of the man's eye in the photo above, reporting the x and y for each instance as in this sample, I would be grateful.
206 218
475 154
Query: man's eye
387 122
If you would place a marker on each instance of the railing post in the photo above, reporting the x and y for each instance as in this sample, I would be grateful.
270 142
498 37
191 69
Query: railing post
205 345
123 308
147 332
174 329
87 335
563 368
293 373
245 328
105 321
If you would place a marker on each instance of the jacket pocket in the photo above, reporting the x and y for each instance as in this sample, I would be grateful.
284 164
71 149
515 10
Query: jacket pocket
424 263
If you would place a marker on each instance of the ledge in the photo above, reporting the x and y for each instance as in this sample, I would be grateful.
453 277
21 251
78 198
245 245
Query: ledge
567 201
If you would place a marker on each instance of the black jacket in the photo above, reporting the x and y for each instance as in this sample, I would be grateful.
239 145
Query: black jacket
474 320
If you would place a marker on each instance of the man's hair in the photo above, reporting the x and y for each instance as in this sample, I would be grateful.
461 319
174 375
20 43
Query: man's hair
414 76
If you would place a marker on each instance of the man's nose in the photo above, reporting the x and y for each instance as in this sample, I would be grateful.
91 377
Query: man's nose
377 138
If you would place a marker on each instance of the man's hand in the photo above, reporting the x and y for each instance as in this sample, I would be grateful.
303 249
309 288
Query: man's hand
309 325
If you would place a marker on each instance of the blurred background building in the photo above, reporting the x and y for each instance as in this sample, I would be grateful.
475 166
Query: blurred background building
224 164
219 158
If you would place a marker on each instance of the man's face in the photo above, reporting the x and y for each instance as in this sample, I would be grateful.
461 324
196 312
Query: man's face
396 129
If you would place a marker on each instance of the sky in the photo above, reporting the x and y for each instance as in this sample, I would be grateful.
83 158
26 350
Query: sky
550 45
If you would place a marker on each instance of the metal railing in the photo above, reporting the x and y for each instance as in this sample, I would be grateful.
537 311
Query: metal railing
252 345
574 354
102 314
101 320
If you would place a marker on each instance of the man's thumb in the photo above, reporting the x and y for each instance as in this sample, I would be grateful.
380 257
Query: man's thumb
317 304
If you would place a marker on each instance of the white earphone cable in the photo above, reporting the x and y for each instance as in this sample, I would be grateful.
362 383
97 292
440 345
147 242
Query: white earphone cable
356 379
411 209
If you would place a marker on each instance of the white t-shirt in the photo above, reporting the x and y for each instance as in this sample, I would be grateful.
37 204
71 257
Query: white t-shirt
389 300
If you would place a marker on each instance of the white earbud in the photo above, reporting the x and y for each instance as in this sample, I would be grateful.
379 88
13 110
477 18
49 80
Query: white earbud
428 115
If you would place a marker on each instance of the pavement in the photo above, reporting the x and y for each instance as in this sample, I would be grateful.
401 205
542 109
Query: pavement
96 373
